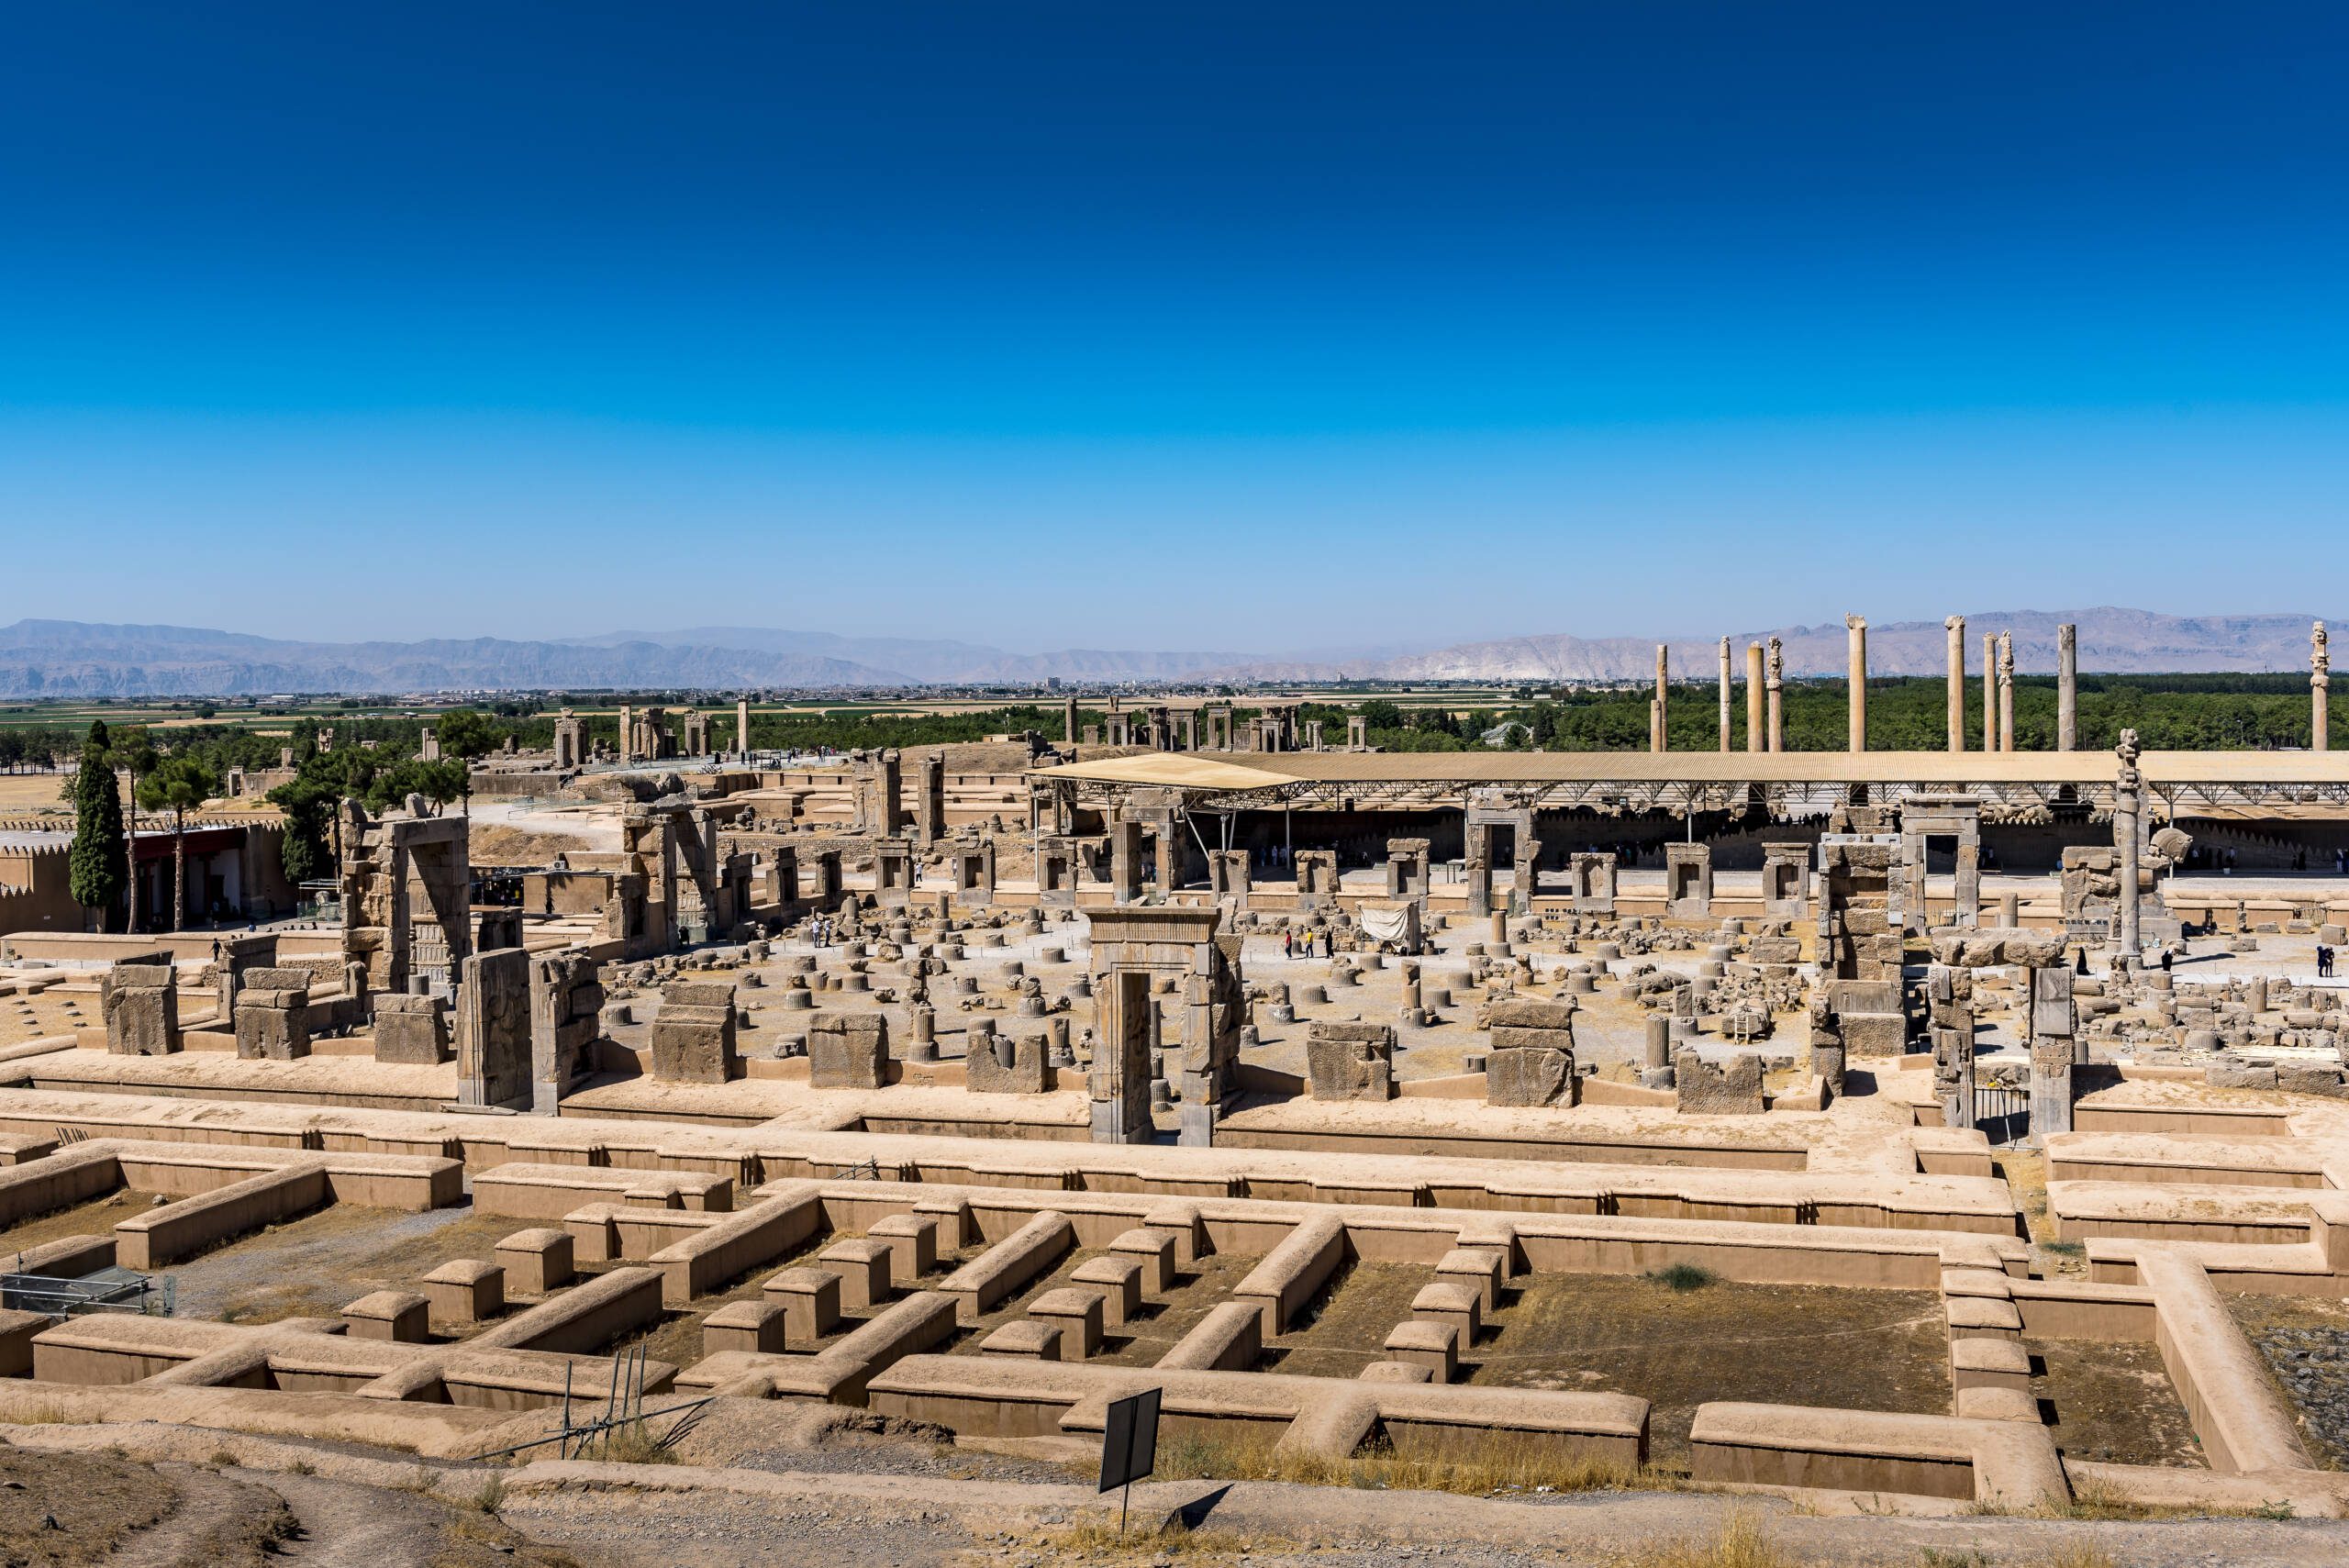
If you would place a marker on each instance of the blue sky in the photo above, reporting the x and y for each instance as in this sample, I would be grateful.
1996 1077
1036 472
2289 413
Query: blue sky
1242 327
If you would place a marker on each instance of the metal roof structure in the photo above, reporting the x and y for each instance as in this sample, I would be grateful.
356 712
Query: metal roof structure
1789 784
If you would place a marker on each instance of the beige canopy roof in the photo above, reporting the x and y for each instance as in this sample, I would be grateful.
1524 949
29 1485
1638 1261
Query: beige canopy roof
1174 770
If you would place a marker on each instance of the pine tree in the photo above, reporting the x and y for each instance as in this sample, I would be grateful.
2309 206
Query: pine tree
99 865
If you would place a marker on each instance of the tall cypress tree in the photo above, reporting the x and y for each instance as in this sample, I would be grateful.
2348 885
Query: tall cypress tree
99 866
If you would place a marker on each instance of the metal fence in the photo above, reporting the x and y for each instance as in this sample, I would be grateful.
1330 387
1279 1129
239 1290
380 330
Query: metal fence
109 1290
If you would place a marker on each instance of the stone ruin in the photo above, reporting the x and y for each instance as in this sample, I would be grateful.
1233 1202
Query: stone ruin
1732 1088
566 1010
1591 882
1407 868
1785 880
1926 820
1317 881
406 898
693 1037
1688 882
1350 1061
1228 879
1132 949
493 1029
140 1007
1532 1057
848 1051
1490 813
273 1014
1006 1064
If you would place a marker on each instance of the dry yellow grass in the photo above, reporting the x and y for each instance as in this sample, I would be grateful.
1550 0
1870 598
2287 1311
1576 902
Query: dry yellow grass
1499 1463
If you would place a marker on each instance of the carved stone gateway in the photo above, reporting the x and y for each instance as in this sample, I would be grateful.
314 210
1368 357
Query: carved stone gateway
406 897
1957 818
1591 881
1407 868
1785 880
1490 813
1134 949
1688 882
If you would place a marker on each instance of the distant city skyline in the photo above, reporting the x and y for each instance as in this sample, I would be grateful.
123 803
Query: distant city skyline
1052 325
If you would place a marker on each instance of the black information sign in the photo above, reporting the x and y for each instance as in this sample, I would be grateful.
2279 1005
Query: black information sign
1129 1443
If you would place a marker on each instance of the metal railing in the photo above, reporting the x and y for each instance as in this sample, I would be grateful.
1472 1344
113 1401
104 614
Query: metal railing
109 1290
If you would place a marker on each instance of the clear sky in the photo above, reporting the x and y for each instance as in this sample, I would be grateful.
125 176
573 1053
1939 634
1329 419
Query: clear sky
1257 326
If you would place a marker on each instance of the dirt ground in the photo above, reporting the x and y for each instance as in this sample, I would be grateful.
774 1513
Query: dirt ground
95 1218
1858 1350
2305 1341
1346 1328
2112 1402
311 1266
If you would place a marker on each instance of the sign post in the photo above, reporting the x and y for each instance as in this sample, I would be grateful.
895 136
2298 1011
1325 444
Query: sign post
1130 1446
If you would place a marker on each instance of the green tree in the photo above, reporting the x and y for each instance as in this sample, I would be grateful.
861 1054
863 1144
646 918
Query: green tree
98 866
465 735
134 754
178 784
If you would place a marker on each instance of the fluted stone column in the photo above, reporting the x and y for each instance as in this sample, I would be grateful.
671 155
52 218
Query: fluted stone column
1956 626
1989 692
2006 691
1756 736
1775 683
1660 716
1725 694
2126 797
2320 690
1856 629
743 727
2067 688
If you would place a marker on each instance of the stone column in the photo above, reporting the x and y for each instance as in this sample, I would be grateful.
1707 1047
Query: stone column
627 725
2067 688
1068 722
2006 691
2320 690
1659 716
743 727
1956 625
2126 790
1755 736
1776 681
1857 628
1989 692
1724 693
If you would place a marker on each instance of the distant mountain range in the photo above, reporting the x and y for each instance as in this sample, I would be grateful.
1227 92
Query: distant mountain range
73 659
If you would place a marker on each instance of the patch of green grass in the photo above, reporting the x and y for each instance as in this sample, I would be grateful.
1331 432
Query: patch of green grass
1683 1277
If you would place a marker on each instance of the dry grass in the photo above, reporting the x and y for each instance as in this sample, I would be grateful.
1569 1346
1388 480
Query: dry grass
1103 1539
631 1444
1740 1543
1500 1462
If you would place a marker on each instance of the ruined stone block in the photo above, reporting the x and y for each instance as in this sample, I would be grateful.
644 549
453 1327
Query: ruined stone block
848 1051
412 1031
1704 1089
693 1040
272 1025
1536 1076
1350 1061
1003 1065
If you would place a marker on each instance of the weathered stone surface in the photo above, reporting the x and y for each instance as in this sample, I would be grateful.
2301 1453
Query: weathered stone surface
693 1040
1003 1065
411 1031
1734 1089
494 1028
848 1051
272 1024
1993 945
1530 1077
1350 1061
